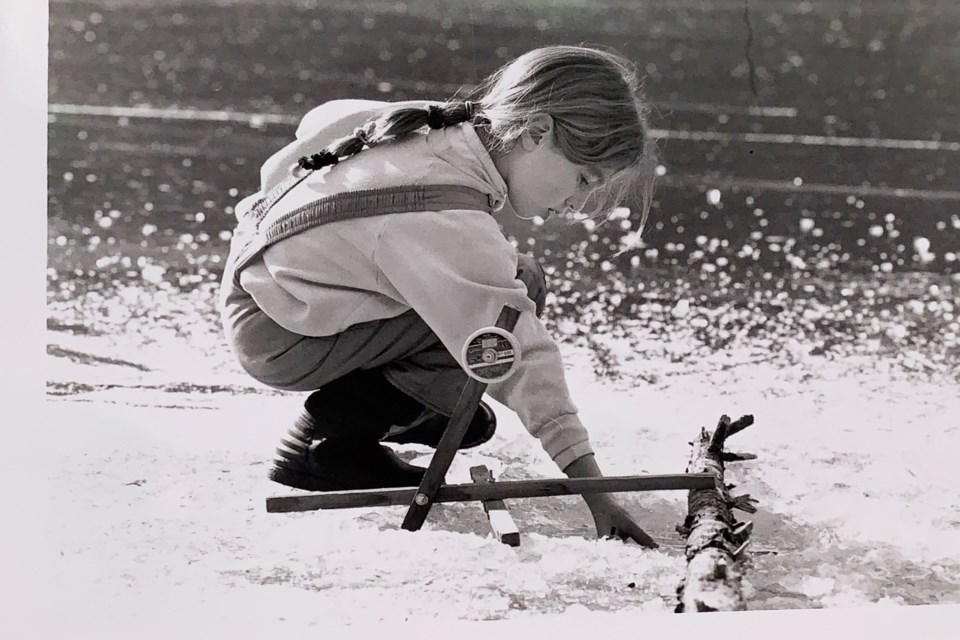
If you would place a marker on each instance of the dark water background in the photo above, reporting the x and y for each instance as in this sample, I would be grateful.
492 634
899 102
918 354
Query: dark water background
806 239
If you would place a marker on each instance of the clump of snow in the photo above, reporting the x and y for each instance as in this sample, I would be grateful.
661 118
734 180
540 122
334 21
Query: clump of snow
153 273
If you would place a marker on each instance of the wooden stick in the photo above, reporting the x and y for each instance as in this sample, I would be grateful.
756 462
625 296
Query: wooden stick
491 491
739 425
452 437
500 520
714 539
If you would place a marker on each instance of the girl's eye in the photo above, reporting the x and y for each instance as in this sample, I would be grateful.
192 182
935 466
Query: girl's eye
583 181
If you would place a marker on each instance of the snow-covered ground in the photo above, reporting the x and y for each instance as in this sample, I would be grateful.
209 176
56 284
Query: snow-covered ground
159 446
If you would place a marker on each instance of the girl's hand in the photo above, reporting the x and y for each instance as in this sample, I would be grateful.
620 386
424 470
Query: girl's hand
611 518
613 521
530 273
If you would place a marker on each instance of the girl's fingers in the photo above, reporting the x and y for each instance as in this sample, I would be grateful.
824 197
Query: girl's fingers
634 533
648 543
626 532
644 540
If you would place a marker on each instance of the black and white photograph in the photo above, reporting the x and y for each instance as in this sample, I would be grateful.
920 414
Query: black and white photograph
412 312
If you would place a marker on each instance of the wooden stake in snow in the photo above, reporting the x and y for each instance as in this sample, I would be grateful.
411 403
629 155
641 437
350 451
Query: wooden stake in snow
715 540
501 522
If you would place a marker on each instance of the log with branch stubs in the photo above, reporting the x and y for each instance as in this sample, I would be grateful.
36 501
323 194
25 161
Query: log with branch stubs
715 541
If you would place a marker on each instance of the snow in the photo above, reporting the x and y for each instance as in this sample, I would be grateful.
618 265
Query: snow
156 489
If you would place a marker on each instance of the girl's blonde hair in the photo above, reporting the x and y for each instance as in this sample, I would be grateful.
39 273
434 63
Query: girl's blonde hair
595 99
593 95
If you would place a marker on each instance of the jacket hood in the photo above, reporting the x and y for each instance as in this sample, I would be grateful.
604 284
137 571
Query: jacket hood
321 126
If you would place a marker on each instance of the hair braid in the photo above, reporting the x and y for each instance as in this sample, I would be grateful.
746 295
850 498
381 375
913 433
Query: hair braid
393 125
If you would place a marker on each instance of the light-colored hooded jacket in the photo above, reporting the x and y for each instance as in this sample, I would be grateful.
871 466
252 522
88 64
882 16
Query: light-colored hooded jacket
454 267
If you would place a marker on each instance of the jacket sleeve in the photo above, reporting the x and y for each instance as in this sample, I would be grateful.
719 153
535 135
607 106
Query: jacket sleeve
456 270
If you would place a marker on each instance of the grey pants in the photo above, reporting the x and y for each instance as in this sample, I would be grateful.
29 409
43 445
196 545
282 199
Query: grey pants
408 353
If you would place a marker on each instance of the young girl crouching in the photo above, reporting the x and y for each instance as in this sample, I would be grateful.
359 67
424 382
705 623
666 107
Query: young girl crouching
372 251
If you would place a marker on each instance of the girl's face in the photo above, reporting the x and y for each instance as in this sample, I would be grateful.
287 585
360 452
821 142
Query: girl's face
540 180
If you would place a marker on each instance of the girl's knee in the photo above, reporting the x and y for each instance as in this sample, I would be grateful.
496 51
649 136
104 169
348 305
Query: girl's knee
530 273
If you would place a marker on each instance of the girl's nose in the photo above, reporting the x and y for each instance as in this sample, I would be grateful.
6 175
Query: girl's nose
576 201
586 202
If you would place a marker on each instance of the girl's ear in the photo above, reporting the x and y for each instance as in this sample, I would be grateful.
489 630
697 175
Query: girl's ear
538 131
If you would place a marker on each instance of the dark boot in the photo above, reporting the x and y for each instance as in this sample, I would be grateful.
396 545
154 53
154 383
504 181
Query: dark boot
430 426
347 417
337 465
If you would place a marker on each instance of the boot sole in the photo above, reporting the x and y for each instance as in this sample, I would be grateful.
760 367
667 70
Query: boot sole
466 444
297 479
300 480
399 439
